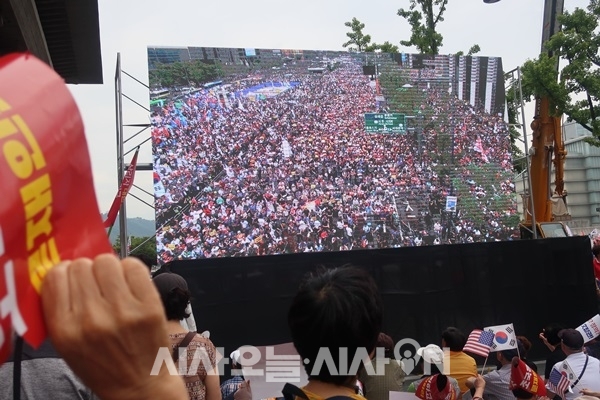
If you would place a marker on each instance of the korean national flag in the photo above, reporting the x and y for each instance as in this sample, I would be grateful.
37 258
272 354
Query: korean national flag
504 337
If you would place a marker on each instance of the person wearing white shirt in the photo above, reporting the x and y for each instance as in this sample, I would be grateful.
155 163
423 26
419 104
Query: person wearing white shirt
586 369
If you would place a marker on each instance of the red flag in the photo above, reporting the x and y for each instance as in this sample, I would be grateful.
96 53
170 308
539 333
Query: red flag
122 193
48 211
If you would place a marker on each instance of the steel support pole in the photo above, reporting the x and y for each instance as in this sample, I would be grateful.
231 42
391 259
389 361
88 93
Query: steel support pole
120 156
530 206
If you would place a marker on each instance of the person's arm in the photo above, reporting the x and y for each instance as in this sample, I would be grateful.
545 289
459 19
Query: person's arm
211 379
588 392
244 392
213 387
545 341
470 382
479 385
550 394
106 320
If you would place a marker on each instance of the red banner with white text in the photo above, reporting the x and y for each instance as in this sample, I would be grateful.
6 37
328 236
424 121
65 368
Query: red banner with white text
48 211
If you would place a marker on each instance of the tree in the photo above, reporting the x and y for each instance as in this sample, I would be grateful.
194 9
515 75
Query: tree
576 93
146 253
187 73
519 159
424 35
371 48
387 47
423 17
357 38
473 50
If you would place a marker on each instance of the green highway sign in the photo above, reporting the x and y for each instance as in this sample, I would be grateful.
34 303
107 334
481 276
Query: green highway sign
385 123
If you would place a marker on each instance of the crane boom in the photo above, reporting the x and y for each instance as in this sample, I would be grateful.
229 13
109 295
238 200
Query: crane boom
547 145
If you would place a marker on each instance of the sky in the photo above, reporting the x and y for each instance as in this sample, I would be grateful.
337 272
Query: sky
510 29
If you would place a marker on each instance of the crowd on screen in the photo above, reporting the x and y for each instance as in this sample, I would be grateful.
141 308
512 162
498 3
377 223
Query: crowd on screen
296 172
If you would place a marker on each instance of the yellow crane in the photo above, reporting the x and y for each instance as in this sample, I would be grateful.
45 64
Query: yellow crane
543 207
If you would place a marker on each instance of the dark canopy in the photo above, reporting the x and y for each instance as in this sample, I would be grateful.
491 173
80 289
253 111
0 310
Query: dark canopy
63 33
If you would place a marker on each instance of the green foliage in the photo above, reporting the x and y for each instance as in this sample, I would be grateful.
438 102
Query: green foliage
371 48
146 253
360 42
423 24
471 206
444 147
403 100
388 47
511 220
540 78
423 17
519 160
474 50
576 93
190 73
356 36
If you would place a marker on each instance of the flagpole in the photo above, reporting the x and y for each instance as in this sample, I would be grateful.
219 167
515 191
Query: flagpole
484 363
517 339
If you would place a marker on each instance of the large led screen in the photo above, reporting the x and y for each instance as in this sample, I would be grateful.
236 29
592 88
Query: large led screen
262 152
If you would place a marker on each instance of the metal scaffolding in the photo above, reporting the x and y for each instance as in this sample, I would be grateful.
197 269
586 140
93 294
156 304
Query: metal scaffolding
121 142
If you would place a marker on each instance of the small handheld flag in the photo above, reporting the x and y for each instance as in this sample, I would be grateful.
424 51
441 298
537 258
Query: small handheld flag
558 382
479 342
505 337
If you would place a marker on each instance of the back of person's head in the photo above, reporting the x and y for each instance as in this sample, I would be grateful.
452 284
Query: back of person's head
525 383
165 268
522 394
526 346
174 293
335 309
596 249
236 358
431 359
572 340
386 343
454 338
436 387
551 333
442 382
512 353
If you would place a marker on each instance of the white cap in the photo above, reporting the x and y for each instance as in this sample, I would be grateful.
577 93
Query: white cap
235 357
431 354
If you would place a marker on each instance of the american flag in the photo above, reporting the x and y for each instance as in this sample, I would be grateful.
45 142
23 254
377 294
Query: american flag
479 342
558 383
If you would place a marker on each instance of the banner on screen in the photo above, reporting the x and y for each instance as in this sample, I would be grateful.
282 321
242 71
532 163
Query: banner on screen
273 151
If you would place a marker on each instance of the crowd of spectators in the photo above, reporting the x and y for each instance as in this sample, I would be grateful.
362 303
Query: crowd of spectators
296 171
